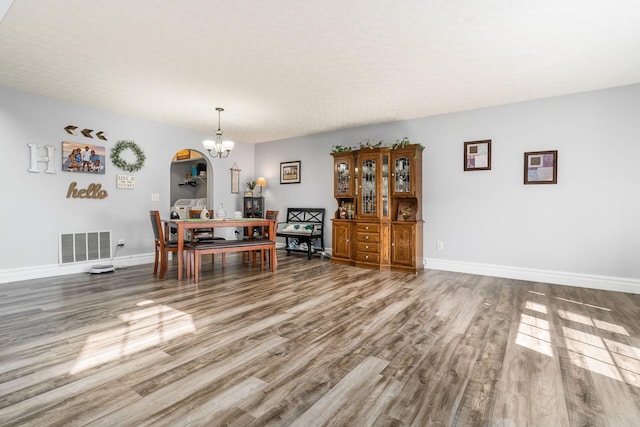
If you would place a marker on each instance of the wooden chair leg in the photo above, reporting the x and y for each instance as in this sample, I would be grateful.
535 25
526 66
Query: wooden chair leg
155 262
163 264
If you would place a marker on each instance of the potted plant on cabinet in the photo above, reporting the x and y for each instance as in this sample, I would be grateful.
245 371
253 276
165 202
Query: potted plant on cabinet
250 185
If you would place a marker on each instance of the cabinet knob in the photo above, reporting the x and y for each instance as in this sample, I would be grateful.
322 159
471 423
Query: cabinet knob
366 247
366 257
366 237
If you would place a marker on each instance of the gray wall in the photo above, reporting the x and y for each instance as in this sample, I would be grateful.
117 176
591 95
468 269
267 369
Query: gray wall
35 208
584 230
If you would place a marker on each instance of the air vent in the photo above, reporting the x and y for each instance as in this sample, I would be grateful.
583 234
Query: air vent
80 247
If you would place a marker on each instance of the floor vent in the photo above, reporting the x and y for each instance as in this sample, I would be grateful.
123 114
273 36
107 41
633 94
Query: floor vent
79 247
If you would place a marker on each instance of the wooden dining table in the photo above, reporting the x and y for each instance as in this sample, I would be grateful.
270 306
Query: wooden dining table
191 224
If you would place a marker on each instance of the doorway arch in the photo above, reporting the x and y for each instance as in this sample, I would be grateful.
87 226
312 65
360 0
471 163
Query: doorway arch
184 184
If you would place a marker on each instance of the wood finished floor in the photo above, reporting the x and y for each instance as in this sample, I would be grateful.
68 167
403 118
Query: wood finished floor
315 344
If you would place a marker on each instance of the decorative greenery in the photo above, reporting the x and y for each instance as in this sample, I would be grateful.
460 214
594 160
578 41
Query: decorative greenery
401 143
368 143
340 149
122 164
251 185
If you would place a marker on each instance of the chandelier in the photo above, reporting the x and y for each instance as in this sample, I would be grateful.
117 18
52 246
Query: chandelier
218 148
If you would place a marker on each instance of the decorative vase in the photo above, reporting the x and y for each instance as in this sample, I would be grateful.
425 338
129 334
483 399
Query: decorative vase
205 214
221 212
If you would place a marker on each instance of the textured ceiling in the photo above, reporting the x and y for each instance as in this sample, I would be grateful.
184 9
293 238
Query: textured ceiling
284 68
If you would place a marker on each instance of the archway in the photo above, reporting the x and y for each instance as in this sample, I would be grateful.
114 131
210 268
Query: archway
191 179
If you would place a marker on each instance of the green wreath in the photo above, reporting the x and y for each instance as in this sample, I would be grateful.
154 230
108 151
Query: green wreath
119 162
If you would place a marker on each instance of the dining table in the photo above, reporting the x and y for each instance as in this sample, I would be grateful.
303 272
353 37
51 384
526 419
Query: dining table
250 224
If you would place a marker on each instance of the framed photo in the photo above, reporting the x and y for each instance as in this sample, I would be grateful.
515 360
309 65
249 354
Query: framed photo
290 172
477 155
541 167
78 157
235 180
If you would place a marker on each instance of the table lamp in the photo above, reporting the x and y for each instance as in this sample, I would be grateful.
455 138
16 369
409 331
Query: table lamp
261 182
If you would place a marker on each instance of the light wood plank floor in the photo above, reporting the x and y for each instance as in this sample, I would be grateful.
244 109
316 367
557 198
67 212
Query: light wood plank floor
315 344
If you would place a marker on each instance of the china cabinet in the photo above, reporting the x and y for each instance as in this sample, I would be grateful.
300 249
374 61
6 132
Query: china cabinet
378 222
253 207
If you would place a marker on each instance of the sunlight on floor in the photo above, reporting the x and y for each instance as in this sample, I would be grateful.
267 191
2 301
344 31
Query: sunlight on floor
603 356
143 329
533 333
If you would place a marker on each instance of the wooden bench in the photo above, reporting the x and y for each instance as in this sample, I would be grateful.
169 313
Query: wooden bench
306 225
226 246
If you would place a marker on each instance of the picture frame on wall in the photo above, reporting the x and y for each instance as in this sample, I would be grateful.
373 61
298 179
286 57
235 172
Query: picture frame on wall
235 180
290 172
80 157
477 155
541 167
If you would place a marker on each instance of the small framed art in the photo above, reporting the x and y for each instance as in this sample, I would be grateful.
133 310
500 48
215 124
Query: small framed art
541 167
477 155
235 179
290 172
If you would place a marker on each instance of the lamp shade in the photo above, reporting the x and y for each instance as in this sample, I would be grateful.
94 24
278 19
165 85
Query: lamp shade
261 182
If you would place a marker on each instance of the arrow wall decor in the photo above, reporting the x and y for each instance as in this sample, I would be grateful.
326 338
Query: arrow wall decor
71 130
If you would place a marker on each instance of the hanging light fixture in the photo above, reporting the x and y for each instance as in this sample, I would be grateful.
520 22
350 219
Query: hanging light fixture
218 148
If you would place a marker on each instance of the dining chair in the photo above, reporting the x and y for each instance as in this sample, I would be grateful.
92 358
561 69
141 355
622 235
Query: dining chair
265 235
162 245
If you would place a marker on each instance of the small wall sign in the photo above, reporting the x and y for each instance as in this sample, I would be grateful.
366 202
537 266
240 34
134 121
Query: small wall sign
94 191
126 181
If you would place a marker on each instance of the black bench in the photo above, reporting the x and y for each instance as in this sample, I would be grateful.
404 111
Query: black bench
304 226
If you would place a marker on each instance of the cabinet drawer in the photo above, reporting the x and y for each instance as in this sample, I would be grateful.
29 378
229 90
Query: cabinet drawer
368 257
368 247
368 228
368 237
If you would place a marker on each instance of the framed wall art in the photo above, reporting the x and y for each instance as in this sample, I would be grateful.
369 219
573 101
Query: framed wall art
541 167
477 155
235 179
78 157
290 172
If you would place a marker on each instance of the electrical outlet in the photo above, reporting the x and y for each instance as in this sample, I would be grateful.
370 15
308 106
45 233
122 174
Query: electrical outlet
121 242
440 245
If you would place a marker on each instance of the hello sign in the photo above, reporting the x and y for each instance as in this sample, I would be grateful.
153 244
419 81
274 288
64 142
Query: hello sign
94 191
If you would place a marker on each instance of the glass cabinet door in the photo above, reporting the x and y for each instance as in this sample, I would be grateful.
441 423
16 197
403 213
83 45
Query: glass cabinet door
402 179
344 186
385 185
368 199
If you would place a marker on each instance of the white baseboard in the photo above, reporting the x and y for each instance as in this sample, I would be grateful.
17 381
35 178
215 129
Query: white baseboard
607 283
40 271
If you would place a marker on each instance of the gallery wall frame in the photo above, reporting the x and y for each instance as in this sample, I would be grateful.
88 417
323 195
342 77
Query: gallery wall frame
541 167
78 157
235 179
290 172
477 155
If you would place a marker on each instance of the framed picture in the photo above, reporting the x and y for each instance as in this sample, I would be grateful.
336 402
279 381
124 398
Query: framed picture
477 155
235 180
78 157
541 167
290 172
